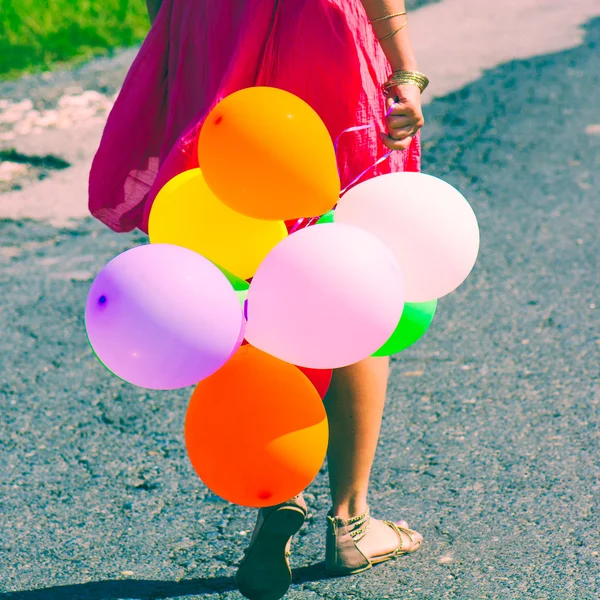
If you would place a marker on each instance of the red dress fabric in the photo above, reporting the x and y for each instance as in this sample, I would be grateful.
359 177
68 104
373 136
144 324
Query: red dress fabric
199 52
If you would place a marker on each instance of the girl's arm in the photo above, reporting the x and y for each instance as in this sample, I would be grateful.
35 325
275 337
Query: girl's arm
406 117
153 7
398 47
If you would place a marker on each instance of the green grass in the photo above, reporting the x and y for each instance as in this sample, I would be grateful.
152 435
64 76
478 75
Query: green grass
37 35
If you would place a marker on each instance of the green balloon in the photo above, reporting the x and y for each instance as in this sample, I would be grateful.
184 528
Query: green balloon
326 218
240 286
237 283
415 321
242 295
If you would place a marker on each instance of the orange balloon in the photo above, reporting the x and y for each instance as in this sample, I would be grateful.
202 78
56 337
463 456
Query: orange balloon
266 153
256 431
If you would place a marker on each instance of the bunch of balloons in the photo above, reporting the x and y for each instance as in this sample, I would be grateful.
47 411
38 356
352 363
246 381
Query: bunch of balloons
224 298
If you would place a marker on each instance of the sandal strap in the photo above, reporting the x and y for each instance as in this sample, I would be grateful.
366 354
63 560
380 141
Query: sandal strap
399 530
359 534
358 525
362 524
364 517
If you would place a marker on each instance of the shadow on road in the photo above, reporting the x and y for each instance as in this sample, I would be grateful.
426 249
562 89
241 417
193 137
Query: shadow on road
140 589
129 588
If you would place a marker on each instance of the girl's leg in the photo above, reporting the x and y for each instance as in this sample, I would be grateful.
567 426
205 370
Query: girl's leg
354 406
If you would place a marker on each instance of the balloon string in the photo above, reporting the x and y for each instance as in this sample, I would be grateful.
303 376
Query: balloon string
295 227
336 145
377 162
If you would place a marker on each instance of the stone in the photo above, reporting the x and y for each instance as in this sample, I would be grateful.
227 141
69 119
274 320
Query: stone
11 170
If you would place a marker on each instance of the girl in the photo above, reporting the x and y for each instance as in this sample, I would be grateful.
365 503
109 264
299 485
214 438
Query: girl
335 55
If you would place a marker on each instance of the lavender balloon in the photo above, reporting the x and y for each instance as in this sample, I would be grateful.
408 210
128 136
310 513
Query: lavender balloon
163 317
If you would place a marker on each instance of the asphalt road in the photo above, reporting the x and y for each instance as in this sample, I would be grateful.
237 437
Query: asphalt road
490 440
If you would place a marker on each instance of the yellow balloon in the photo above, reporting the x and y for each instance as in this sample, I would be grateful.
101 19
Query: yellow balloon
187 213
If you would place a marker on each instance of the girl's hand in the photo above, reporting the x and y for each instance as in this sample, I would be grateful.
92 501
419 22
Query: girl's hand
405 119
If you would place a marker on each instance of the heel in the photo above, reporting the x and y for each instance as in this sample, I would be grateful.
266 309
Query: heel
265 573
342 555
284 522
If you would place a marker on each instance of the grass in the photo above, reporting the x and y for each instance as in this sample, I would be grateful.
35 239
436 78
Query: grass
37 35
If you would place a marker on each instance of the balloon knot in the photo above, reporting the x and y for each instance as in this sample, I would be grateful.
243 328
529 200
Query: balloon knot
264 495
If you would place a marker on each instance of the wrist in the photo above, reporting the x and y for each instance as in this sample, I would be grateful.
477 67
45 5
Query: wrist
401 59
404 65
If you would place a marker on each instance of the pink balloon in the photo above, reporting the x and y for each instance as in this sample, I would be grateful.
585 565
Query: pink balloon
428 224
325 297
163 317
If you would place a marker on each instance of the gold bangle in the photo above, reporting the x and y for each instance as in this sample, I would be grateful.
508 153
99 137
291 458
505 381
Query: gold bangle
415 75
405 77
387 87
387 37
387 17
405 73
417 81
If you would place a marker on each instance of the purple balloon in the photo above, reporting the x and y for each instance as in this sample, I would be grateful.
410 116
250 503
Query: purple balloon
163 317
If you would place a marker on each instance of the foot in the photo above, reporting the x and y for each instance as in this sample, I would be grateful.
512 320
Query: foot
264 573
381 539
357 543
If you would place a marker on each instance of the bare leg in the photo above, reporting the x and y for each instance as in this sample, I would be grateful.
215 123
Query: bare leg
354 406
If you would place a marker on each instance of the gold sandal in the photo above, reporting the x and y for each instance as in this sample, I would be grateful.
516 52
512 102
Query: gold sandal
342 555
264 573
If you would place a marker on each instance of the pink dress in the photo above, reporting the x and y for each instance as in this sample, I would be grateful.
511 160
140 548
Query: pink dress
200 51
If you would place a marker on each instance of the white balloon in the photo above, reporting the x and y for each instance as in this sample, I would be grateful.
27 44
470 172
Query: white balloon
428 224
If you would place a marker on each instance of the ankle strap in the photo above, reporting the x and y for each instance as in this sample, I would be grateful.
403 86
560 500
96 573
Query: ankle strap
364 517
353 520
360 525
359 533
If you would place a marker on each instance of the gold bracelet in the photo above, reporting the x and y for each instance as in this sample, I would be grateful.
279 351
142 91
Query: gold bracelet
387 87
421 83
405 77
412 75
406 73
387 17
387 37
